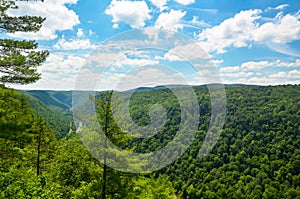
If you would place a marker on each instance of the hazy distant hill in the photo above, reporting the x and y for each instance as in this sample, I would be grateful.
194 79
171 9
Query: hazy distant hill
54 107
54 99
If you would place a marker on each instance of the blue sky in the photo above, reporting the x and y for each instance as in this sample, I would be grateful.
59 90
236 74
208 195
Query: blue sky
246 41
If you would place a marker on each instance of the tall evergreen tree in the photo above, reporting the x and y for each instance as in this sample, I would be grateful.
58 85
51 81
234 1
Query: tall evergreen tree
19 59
111 130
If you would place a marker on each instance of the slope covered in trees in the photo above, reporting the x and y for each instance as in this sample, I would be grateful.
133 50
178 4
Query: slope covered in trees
33 164
256 156
57 114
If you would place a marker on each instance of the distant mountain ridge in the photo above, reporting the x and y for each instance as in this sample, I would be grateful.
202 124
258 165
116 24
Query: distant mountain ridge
56 106
54 99
62 100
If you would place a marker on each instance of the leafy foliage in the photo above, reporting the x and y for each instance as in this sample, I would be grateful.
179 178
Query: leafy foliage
19 59
33 164
257 154
60 121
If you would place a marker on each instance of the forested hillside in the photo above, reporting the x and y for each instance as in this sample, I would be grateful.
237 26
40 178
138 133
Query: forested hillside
34 164
54 107
256 156
258 153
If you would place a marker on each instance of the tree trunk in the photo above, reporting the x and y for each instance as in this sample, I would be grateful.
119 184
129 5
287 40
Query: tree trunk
105 146
38 155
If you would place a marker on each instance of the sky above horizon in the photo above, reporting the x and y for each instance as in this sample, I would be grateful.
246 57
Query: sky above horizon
245 41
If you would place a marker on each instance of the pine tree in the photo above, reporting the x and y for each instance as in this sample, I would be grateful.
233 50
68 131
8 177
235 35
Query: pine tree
109 127
19 59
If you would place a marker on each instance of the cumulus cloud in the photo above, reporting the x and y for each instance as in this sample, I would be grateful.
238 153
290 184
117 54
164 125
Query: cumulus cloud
170 20
185 2
230 69
294 74
133 13
59 72
263 72
252 65
62 64
278 75
284 29
244 28
256 65
282 77
74 44
259 65
235 31
58 17
161 4
188 52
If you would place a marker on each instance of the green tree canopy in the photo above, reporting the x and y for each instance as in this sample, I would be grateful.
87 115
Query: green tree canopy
19 59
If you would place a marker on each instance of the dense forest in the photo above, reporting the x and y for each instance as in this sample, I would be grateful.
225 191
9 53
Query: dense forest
256 156
36 164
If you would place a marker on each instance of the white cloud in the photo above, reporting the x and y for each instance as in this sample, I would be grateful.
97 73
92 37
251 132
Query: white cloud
91 32
87 79
262 73
252 65
285 29
133 13
294 74
243 29
58 17
278 75
261 81
282 77
161 4
185 2
59 72
196 23
115 26
284 49
188 52
125 61
280 7
62 64
147 77
230 69
239 74
75 44
256 65
294 64
80 32
103 59
171 20
235 31
217 62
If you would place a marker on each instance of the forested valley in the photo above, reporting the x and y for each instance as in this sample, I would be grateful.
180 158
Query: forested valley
256 156
42 154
